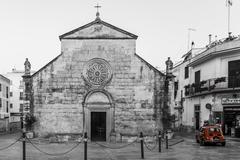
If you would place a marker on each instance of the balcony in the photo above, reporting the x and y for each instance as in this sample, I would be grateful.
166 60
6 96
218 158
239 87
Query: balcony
212 85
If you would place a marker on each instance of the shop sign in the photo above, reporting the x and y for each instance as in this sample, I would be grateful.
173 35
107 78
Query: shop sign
230 100
231 109
217 108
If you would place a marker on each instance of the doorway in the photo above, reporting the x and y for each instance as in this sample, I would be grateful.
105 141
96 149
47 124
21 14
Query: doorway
98 126
197 116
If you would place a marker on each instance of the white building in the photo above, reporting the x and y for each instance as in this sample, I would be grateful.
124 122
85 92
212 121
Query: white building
4 103
207 85
16 92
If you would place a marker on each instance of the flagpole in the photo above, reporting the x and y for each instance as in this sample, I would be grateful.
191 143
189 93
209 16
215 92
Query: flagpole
228 18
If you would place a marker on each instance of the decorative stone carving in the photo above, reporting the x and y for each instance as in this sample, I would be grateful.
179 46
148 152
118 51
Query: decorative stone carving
27 66
97 72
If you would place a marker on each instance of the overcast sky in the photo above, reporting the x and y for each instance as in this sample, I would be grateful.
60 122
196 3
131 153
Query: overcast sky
30 28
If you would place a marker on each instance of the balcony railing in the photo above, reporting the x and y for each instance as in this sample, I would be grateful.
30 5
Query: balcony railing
212 84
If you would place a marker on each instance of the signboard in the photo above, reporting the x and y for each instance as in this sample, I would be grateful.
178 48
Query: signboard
209 106
231 108
16 114
217 107
230 100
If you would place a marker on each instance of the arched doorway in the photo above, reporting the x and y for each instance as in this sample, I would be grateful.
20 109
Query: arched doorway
98 111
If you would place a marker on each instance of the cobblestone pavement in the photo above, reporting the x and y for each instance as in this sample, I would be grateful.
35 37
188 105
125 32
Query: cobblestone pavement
186 150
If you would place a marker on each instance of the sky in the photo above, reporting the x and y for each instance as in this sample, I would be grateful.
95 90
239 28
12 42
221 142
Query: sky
31 28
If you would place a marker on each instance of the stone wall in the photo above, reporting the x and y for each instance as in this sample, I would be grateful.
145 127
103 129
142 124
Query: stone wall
4 125
59 89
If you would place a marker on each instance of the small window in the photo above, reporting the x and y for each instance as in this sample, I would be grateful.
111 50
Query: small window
197 108
175 89
21 108
11 94
21 96
7 92
7 106
186 72
11 105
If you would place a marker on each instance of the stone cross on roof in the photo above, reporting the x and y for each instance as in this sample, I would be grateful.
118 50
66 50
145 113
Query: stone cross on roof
97 14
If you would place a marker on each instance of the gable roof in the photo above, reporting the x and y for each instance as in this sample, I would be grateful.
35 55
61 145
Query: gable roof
148 64
125 34
46 65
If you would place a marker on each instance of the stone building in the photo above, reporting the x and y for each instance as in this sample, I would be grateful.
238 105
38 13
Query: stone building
98 84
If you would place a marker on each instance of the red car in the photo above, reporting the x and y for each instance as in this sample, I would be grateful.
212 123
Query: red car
211 134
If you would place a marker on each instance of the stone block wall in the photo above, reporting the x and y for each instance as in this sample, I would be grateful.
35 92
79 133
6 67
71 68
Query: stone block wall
136 87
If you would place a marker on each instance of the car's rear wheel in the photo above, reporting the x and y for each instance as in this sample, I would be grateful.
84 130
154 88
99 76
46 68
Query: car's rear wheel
223 143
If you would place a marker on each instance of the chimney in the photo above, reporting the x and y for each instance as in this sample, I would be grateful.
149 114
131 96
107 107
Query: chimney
229 34
192 45
210 39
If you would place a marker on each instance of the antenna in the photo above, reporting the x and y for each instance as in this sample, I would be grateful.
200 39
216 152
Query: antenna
229 4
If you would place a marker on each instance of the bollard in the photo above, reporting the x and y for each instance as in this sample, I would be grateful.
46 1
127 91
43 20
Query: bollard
159 141
85 146
166 139
24 145
23 139
142 149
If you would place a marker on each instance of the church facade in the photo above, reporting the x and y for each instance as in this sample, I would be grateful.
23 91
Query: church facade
99 85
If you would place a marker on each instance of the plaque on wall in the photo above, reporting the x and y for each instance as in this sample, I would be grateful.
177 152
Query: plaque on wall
97 72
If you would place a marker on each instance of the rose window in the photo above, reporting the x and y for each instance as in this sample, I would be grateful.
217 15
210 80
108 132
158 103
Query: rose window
97 72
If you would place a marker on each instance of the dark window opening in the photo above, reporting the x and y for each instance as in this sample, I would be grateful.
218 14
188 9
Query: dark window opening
141 70
186 72
7 106
175 89
21 96
197 81
7 92
234 74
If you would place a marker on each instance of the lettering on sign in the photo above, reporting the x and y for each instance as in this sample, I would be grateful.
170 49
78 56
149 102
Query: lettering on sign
230 100
231 109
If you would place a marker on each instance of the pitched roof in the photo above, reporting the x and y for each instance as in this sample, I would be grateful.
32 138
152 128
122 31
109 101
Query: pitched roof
46 65
148 64
96 22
